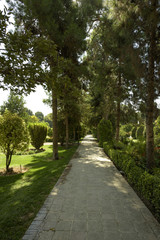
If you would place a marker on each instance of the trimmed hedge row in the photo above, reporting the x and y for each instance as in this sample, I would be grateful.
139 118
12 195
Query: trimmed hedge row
147 185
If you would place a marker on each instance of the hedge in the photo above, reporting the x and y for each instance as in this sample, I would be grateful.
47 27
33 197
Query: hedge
147 185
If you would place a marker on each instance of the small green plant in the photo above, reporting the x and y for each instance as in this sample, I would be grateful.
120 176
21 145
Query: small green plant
38 133
105 131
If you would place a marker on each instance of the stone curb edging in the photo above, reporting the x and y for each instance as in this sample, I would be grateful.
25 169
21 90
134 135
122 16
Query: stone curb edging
36 225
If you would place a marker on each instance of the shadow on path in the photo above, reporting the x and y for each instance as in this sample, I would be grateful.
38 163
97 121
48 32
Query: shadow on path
93 203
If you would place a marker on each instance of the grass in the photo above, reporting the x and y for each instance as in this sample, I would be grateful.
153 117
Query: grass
22 195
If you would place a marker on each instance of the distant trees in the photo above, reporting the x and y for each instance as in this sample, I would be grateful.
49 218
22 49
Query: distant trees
14 104
40 116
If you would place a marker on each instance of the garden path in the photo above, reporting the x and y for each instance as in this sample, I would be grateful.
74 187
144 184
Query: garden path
92 201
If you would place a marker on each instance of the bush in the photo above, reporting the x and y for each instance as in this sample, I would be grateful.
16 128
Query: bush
147 185
38 133
118 145
105 131
136 149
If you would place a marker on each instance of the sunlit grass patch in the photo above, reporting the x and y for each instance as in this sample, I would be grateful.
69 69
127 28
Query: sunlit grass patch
23 194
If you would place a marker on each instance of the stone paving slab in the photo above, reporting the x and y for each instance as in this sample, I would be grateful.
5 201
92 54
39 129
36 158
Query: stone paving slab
92 201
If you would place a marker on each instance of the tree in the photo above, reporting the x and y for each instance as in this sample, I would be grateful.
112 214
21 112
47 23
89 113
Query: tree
128 39
63 23
145 42
48 119
107 60
13 135
105 132
40 116
14 104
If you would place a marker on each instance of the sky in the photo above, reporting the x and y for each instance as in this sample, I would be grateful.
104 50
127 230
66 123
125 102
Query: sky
34 101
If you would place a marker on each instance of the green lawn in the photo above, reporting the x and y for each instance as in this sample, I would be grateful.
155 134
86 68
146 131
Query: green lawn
22 195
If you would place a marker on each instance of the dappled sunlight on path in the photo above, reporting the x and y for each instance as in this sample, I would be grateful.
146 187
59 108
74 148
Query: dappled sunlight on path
92 201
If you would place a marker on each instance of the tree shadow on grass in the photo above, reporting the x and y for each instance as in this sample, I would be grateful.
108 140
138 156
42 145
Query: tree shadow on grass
23 195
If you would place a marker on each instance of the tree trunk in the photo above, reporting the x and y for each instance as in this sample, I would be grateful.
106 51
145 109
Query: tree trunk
7 162
55 125
67 131
150 95
118 107
74 134
8 159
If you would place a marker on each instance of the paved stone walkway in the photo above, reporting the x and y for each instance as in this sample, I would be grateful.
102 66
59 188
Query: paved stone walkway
92 201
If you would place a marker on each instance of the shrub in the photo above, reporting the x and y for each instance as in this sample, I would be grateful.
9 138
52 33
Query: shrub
13 135
147 185
136 149
105 131
118 145
38 133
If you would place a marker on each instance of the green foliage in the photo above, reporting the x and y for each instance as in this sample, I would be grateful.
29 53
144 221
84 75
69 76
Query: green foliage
48 119
105 131
147 185
140 133
94 132
50 132
38 133
14 104
61 131
33 119
22 195
40 116
125 132
118 145
13 135
157 131
133 133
